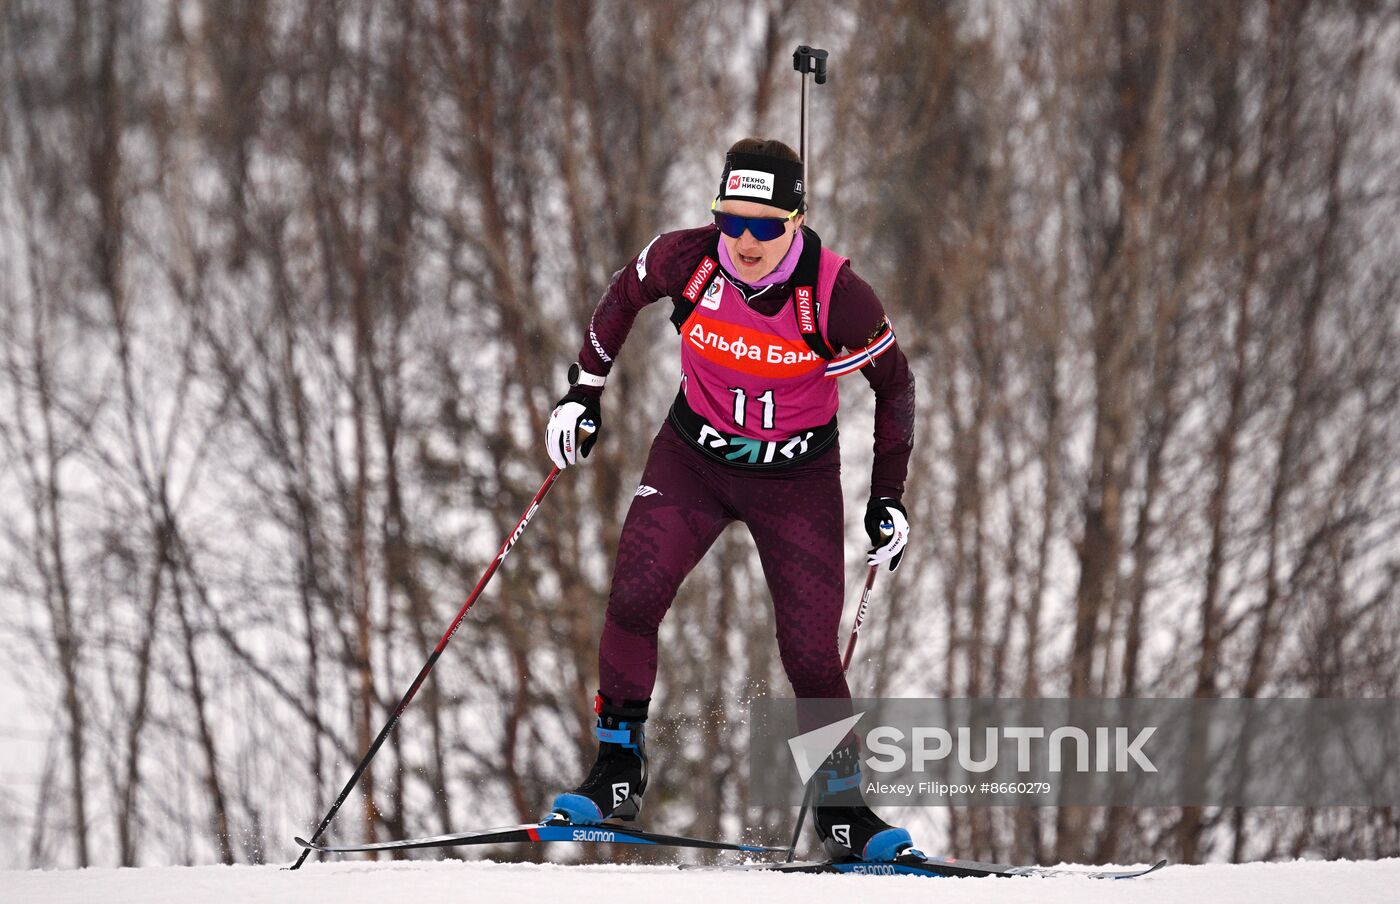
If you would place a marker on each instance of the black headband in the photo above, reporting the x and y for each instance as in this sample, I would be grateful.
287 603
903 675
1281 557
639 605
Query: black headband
764 180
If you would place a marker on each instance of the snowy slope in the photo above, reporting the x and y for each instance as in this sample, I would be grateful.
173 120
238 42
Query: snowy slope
449 881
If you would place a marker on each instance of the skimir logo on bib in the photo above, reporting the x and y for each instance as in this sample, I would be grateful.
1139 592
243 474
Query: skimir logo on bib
699 278
806 319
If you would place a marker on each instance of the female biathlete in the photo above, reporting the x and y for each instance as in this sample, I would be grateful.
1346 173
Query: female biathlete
769 320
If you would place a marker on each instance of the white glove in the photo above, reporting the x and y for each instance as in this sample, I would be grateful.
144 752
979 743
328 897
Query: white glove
573 428
888 528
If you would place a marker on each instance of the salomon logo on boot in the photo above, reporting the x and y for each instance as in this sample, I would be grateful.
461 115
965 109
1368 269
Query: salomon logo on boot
845 825
613 790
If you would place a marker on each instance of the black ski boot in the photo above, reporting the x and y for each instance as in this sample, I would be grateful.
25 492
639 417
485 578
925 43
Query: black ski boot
614 787
846 826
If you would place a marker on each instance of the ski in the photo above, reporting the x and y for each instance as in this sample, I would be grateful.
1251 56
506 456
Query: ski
539 833
942 867
557 830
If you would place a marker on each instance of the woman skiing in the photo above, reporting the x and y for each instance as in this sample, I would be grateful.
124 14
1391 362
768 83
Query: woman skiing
769 320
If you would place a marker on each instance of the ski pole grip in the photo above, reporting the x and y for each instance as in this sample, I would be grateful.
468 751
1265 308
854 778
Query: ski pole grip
810 59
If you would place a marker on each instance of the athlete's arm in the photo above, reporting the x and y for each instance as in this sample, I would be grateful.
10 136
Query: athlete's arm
659 271
856 320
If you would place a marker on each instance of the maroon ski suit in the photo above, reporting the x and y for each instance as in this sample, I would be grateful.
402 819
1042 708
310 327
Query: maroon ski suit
687 497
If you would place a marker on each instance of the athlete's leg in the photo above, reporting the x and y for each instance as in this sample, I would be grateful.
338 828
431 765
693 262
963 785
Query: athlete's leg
797 523
798 526
674 519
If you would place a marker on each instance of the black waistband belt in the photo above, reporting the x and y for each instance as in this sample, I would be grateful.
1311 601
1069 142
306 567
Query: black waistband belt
743 451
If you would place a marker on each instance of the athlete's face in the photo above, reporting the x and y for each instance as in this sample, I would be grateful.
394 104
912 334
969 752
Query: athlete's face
753 258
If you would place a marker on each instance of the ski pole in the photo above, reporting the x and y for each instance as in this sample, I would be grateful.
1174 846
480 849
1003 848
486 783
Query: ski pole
432 659
845 666
860 618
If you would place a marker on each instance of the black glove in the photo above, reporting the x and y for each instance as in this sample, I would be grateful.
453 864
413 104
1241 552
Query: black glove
573 427
887 525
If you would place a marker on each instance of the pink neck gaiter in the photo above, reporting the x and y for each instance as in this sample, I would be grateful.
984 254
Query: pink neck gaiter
781 274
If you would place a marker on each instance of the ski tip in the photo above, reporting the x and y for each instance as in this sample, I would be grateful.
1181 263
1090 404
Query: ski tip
1153 868
1137 874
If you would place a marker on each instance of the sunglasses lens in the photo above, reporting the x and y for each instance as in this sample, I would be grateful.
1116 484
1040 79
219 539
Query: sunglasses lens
730 225
765 229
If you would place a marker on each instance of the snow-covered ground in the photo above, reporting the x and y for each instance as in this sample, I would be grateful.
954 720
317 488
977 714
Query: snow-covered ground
482 881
